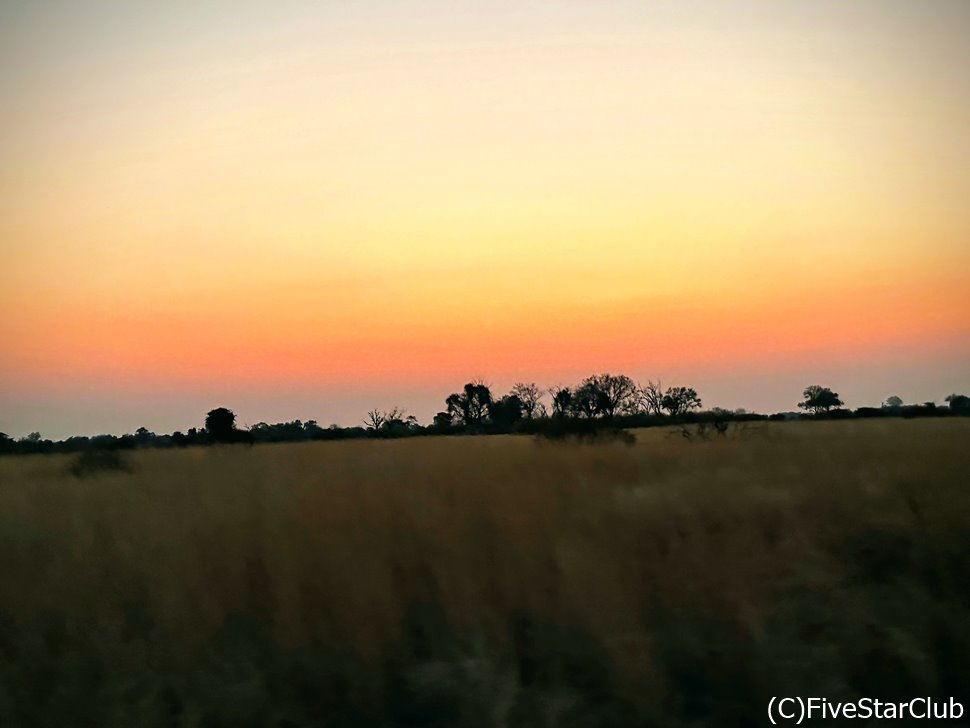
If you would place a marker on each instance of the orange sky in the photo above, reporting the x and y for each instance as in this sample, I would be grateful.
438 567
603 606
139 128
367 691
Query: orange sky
303 209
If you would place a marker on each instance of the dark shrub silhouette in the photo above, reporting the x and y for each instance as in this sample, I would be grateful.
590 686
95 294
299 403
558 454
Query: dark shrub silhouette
506 411
242 436
98 460
441 422
584 429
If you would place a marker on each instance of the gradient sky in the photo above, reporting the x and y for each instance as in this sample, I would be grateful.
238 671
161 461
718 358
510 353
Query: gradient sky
308 209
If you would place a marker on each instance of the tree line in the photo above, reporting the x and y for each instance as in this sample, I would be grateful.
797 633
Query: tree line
605 396
597 403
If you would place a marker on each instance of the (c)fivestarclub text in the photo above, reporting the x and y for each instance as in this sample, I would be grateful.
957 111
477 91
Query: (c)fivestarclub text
795 710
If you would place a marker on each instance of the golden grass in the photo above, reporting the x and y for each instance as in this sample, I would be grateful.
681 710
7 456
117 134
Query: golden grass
330 543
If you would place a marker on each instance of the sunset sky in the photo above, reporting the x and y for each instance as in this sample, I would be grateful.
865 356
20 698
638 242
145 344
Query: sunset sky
310 209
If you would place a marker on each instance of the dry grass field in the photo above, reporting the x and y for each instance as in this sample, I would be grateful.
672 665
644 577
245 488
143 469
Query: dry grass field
488 581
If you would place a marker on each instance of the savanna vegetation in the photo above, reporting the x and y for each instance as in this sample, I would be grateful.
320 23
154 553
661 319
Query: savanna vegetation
600 405
487 581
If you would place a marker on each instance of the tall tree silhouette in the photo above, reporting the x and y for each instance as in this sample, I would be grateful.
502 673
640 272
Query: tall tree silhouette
470 407
651 397
220 423
562 401
585 400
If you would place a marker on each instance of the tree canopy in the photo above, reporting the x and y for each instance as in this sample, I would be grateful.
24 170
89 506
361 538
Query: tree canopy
819 399
220 424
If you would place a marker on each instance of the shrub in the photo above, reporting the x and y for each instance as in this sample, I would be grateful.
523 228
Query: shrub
95 461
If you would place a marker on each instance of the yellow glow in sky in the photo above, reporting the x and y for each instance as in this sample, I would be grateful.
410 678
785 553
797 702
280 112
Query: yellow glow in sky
341 197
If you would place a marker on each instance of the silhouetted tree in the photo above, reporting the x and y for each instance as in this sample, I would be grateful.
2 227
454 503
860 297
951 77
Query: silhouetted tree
374 419
478 398
530 396
220 423
819 399
455 406
395 422
680 400
562 401
609 395
506 411
144 437
313 430
959 403
893 402
442 421
651 398
585 400
470 407
411 422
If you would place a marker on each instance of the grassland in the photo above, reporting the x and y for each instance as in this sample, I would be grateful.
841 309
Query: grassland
488 581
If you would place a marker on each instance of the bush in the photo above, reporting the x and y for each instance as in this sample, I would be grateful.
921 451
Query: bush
95 461
586 430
